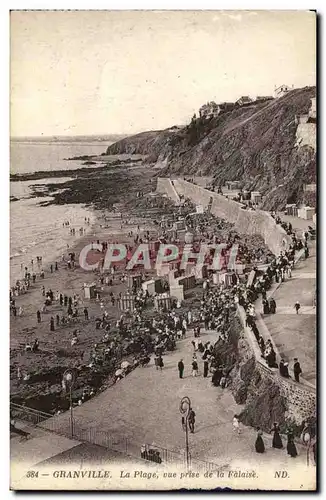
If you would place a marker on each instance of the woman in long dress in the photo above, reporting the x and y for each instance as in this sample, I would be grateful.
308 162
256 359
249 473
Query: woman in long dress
291 448
259 444
277 440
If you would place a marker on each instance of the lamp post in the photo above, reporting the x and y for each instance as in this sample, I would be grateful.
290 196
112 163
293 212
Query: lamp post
185 406
68 380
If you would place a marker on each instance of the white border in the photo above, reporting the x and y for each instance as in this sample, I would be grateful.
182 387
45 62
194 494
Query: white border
5 6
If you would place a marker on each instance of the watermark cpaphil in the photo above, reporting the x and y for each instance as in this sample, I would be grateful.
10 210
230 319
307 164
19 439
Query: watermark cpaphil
214 256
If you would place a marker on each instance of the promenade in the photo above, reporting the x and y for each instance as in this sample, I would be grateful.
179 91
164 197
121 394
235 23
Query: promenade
144 408
295 334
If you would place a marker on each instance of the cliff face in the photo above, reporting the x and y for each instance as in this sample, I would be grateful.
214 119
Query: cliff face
256 144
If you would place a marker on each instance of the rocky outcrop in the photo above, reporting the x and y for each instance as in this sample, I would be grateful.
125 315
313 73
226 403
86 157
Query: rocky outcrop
256 144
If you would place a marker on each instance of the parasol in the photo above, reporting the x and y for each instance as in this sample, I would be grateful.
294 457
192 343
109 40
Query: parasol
125 365
118 373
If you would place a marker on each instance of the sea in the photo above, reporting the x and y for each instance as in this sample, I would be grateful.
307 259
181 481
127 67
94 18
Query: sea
37 230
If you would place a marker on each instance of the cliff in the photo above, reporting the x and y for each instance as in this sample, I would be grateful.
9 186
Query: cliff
257 144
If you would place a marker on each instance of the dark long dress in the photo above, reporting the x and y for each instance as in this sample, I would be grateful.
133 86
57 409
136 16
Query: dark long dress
291 448
277 440
265 307
259 445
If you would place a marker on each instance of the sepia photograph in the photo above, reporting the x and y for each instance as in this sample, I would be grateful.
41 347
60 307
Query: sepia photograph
163 250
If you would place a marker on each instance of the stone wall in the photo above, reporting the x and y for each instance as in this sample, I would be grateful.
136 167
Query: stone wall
250 222
268 396
306 134
287 399
165 186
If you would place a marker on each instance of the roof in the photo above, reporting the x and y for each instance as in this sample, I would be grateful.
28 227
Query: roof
244 98
226 104
283 85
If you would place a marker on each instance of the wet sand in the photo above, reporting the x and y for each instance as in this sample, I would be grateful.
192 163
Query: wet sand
55 351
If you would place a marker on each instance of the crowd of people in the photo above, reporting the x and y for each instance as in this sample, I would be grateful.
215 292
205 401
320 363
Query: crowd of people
141 338
277 441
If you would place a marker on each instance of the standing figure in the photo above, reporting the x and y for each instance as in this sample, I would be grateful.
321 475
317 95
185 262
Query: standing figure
194 368
277 440
160 362
297 370
297 306
205 368
265 306
291 448
272 306
259 444
181 368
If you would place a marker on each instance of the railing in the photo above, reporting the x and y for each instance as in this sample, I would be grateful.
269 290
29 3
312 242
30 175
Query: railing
119 444
29 415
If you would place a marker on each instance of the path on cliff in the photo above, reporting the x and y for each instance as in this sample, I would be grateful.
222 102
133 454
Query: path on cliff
295 334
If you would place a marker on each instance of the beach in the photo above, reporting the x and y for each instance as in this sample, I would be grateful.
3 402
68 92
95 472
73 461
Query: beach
56 354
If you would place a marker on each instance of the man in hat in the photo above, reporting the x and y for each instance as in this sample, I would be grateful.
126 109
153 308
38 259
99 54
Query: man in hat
297 370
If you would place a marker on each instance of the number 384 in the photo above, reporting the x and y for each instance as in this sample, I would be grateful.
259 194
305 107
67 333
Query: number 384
32 473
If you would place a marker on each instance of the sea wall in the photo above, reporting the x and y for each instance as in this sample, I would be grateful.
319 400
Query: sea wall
166 186
306 135
268 396
245 221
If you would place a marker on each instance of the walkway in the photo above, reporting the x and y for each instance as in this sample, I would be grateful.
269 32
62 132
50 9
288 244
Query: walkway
40 446
295 334
144 407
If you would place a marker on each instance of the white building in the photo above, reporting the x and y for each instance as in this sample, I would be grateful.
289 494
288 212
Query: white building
281 90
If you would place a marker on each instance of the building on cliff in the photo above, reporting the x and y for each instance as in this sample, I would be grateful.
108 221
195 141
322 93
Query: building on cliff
245 99
209 110
212 110
282 90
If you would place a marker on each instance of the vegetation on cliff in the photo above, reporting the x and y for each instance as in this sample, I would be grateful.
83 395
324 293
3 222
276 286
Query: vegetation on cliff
255 144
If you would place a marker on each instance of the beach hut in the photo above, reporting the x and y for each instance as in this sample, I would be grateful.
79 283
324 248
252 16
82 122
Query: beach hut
89 290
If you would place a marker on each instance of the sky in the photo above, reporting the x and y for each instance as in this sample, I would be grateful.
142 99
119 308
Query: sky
90 72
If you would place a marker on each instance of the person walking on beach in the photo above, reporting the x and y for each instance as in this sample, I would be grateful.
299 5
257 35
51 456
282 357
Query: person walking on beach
181 368
52 324
38 316
297 370
205 368
160 362
56 266
297 306
86 313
